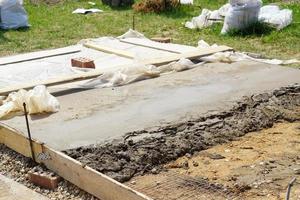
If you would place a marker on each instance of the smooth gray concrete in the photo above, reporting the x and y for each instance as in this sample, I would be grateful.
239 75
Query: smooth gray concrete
98 115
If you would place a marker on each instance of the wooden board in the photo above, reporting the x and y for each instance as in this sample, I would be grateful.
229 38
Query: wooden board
189 55
110 50
86 178
156 47
38 55
92 74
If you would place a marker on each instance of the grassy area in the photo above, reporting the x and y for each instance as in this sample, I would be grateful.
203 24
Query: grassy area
55 26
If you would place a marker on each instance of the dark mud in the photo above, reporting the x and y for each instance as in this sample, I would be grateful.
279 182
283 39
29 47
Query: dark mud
146 151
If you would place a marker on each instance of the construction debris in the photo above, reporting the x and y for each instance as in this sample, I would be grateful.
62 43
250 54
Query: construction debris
82 62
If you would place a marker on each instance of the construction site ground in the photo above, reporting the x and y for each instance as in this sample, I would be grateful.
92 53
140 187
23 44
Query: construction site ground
259 165
216 131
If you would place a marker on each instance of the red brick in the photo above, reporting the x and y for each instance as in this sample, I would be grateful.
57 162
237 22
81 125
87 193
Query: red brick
82 62
44 180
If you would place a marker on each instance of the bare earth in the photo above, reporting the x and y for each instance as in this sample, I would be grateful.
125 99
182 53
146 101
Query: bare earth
259 165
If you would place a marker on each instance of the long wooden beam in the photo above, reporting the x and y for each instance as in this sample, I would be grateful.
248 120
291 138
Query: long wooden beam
110 50
86 178
149 46
92 74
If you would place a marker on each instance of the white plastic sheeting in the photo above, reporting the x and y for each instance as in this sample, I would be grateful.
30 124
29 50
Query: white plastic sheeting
38 100
12 14
132 34
231 56
137 72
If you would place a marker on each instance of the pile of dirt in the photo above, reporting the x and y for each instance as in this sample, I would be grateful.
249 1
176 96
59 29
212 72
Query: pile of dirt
259 165
147 150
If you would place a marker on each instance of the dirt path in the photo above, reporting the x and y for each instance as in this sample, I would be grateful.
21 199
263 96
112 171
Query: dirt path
257 166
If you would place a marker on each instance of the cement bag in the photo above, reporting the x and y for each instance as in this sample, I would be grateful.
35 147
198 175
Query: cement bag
271 14
241 14
38 100
13 15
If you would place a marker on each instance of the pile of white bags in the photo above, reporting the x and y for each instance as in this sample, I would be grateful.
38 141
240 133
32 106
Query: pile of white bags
38 100
242 13
12 14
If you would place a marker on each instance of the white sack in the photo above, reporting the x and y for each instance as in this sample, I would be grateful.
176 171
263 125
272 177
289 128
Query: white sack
38 100
241 14
271 14
12 14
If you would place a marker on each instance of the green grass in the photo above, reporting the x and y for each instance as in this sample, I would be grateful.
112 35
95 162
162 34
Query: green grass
55 26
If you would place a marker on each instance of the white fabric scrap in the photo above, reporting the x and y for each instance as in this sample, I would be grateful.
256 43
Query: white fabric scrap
86 11
38 100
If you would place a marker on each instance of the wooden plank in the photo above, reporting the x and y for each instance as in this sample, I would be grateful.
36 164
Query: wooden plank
110 50
149 46
86 178
189 55
92 74
38 55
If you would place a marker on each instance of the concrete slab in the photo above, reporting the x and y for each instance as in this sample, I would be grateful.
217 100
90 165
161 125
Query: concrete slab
11 190
99 115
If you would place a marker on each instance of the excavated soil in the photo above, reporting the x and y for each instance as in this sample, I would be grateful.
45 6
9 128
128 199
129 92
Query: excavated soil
259 165
146 151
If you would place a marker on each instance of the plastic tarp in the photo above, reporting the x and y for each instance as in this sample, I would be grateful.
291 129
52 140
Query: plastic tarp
38 100
137 72
12 14
231 56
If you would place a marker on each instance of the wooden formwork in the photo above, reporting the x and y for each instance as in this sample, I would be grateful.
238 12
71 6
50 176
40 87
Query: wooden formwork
86 178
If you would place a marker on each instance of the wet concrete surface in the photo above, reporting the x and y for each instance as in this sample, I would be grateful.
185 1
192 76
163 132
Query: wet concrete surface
99 115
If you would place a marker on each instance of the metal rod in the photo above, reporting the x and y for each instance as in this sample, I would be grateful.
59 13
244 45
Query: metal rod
291 183
133 22
28 131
